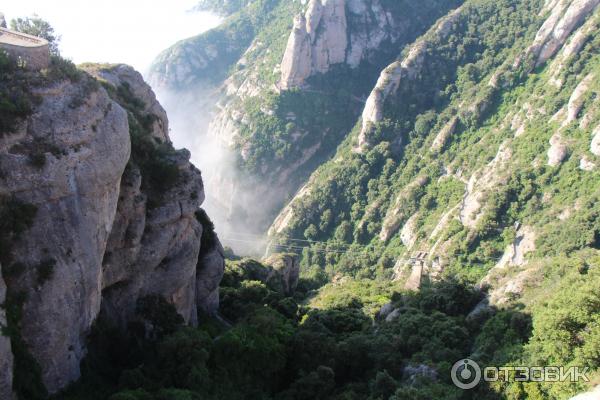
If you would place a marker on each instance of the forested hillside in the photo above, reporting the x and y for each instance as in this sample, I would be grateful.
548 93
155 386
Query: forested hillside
459 150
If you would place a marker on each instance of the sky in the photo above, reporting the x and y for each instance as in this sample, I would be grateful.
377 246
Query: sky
115 31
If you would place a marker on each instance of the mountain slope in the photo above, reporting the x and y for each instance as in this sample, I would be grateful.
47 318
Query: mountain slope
461 153
277 130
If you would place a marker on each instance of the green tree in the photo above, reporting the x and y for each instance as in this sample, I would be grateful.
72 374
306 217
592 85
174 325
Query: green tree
36 26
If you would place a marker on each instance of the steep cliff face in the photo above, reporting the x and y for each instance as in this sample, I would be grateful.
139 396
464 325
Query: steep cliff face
115 214
318 40
76 132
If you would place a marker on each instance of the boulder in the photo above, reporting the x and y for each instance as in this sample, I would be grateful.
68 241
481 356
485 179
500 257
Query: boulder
285 272
586 165
557 152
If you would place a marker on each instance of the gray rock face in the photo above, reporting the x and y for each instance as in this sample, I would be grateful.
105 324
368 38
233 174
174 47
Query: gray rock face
557 152
565 16
83 137
297 64
154 250
211 267
321 37
317 41
285 271
124 75
6 357
106 243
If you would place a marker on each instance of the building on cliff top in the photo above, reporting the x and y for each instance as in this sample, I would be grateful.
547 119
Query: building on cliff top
29 51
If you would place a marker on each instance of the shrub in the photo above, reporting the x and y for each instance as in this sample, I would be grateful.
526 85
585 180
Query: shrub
209 237
161 315
15 218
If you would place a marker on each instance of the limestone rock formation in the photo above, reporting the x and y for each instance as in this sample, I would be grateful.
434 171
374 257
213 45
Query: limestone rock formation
515 253
154 250
124 75
321 38
396 215
388 83
572 48
211 266
565 16
318 40
390 79
557 152
482 182
86 148
408 232
285 272
327 28
100 237
287 214
576 100
296 65
444 135
586 165
6 357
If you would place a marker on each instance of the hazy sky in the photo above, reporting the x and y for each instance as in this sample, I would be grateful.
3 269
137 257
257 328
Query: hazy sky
128 31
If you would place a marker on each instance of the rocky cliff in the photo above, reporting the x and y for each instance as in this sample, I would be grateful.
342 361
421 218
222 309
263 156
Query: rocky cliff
112 211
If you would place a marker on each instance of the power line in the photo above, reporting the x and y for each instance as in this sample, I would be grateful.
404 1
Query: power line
296 247
263 237
329 250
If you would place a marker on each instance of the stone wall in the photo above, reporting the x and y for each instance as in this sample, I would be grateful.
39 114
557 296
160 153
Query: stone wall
33 56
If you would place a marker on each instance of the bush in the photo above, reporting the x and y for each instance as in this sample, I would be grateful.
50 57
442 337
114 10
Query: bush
161 315
15 218
208 240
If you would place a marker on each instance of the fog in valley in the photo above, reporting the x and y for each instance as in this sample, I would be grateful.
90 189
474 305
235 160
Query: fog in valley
94 33
241 213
